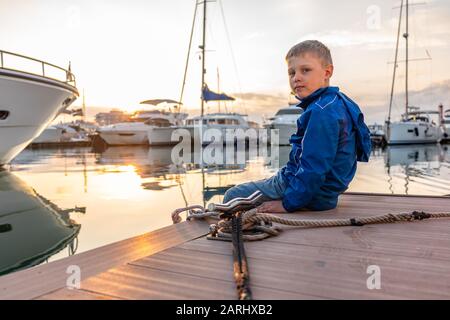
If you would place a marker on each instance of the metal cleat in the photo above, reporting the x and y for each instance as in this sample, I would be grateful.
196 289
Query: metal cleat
237 204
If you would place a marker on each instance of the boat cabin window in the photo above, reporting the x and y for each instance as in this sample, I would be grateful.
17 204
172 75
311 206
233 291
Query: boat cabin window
419 118
446 121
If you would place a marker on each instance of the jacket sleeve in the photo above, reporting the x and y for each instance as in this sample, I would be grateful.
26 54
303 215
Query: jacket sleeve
320 143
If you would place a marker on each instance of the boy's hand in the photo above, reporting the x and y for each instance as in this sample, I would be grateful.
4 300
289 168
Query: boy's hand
271 207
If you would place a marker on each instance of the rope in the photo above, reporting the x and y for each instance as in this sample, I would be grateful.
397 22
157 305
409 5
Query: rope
194 212
240 264
259 226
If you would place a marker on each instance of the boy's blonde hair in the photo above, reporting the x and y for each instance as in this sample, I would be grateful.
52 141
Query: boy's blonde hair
311 46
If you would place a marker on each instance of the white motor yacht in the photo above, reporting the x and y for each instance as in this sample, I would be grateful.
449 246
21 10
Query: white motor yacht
29 102
285 121
134 132
218 128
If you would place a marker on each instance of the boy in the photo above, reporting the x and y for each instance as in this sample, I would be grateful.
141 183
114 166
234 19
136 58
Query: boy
331 137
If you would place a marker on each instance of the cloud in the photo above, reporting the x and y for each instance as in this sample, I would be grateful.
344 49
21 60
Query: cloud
262 103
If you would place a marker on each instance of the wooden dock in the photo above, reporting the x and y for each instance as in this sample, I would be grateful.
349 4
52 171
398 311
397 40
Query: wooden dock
178 262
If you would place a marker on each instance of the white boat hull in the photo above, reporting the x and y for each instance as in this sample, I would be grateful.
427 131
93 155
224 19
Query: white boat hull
161 136
32 102
200 135
124 138
50 135
123 134
412 133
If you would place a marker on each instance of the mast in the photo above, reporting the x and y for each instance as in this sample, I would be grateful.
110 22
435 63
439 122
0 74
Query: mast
218 87
406 36
84 108
395 63
203 55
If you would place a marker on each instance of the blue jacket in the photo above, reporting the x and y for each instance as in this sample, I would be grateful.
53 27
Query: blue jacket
331 137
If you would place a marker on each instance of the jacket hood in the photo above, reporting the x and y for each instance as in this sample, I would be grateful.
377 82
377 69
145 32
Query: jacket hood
363 143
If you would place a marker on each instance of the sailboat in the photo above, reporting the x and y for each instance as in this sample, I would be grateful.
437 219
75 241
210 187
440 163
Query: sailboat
416 125
207 128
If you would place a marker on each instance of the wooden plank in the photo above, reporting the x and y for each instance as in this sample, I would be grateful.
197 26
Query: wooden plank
34 282
371 239
133 282
371 194
340 274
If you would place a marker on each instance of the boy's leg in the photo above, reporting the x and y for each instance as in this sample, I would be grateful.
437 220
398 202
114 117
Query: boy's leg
272 189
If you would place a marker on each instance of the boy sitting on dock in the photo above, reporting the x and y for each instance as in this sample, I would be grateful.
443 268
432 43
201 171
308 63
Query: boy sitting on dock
331 137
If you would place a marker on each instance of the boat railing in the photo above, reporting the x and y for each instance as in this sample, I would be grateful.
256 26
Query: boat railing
17 62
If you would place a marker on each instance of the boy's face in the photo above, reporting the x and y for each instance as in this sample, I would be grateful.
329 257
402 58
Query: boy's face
307 74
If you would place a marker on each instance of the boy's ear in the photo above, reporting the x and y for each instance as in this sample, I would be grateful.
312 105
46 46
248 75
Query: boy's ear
329 69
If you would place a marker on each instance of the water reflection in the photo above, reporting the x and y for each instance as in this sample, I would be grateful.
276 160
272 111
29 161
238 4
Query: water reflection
426 165
158 169
32 228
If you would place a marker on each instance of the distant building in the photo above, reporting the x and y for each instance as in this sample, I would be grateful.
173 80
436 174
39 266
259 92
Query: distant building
114 116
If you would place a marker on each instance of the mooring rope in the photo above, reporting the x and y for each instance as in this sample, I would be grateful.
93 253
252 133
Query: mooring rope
258 226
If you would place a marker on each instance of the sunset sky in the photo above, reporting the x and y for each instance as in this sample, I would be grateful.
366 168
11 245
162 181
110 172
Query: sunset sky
123 52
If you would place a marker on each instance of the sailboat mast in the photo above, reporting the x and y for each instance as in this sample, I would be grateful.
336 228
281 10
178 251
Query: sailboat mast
395 63
84 107
203 54
406 36
218 87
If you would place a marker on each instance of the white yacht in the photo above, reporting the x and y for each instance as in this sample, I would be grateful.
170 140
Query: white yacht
62 133
415 126
446 126
285 120
29 102
159 131
134 132
218 128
